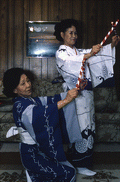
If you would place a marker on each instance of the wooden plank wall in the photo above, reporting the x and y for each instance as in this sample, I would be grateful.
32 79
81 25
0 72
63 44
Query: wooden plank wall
96 16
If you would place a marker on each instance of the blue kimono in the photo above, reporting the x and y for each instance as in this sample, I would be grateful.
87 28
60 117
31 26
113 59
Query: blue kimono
43 130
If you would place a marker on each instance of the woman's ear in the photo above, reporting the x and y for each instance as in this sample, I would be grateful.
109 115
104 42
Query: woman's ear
15 91
62 35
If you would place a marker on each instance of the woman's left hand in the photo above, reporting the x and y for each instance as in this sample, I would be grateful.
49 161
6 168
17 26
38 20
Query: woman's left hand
115 40
72 94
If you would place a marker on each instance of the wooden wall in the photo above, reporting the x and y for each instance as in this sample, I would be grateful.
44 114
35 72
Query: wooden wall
96 16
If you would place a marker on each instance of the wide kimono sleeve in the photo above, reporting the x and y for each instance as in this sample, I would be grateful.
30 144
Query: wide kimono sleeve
47 125
101 67
69 65
68 120
42 123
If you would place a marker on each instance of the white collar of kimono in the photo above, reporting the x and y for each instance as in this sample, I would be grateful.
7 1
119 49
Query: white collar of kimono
69 49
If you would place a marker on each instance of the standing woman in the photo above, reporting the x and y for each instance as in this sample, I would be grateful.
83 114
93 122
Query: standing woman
98 71
38 121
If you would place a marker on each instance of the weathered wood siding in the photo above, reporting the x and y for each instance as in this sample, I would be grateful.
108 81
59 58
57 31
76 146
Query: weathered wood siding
96 16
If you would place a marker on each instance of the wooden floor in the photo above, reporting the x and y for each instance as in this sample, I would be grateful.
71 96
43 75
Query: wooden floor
104 153
105 173
106 162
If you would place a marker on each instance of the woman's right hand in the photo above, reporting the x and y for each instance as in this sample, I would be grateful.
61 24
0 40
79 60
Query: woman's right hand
95 49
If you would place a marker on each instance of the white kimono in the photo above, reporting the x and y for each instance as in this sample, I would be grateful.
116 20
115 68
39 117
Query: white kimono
98 71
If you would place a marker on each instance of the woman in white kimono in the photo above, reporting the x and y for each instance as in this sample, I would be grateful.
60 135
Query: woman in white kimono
98 71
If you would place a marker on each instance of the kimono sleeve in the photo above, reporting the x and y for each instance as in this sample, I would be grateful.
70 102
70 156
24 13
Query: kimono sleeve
69 67
101 67
42 122
68 63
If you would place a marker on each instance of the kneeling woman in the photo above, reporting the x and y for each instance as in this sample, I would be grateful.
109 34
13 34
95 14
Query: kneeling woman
39 121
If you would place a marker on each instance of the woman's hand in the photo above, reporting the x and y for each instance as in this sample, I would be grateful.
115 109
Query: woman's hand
115 40
72 94
95 50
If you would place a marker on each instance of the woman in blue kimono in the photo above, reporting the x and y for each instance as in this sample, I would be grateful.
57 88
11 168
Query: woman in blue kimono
98 72
40 122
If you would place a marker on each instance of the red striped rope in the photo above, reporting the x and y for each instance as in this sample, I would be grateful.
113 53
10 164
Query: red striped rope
108 34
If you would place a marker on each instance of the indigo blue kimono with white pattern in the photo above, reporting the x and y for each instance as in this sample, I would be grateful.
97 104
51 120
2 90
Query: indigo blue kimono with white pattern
43 130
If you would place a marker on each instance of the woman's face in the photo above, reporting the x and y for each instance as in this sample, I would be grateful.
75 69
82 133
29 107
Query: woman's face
70 36
24 87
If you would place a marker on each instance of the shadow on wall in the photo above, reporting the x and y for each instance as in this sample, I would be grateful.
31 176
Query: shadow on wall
117 71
